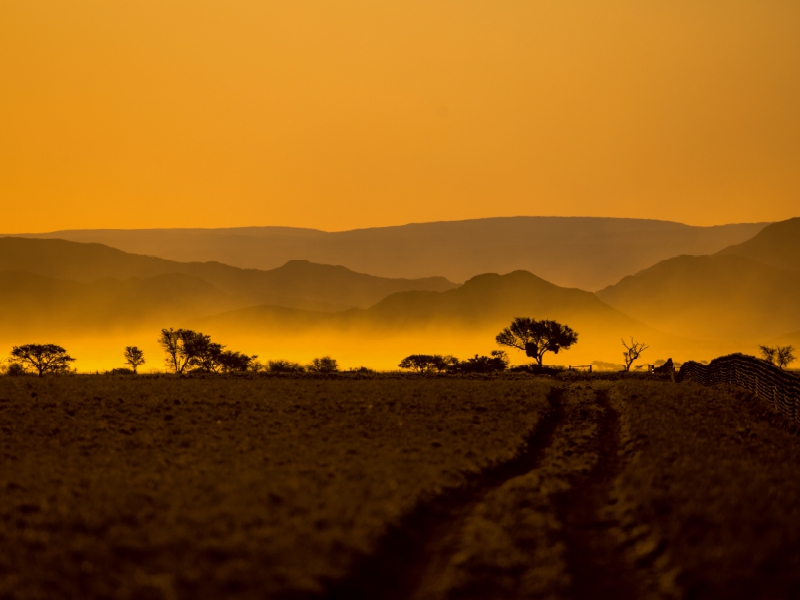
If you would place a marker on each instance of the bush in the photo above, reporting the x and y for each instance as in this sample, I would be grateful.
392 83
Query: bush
284 366
485 364
15 370
122 371
326 364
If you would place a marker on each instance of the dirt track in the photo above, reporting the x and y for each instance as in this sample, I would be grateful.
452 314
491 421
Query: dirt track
570 463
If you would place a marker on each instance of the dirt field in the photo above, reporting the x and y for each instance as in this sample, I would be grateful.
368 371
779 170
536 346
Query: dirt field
406 487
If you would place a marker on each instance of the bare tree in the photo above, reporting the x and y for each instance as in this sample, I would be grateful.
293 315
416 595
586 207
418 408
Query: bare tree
780 356
767 354
784 356
632 352
45 358
134 357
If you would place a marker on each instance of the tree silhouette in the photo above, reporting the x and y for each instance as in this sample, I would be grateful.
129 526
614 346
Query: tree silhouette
780 356
425 363
420 363
444 363
235 362
767 354
326 364
784 356
172 341
134 357
632 352
201 353
45 358
535 338
187 349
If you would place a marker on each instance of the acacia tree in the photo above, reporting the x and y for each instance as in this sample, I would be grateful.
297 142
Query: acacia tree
45 358
536 338
134 357
421 363
632 352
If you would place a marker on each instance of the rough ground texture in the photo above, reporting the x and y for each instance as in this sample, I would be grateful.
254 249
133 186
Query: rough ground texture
716 488
167 488
393 488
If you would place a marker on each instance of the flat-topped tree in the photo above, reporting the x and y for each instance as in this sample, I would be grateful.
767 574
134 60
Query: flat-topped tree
535 338
44 358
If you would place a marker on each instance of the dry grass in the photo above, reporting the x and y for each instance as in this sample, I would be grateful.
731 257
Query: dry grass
159 487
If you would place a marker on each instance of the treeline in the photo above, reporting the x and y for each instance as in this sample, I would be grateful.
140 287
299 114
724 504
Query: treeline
187 351
436 363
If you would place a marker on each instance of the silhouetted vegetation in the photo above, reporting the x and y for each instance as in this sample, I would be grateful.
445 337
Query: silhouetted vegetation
632 352
498 361
285 366
326 364
536 338
43 358
426 363
780 356
194 351
134 357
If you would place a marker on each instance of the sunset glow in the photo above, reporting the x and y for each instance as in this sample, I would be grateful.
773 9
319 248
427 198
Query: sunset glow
355 114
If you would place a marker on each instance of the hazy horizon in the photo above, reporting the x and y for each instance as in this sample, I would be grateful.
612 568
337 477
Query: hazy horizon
245 227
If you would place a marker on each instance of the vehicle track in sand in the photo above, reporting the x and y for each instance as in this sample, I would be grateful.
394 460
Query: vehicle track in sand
595 558
412 554
412 558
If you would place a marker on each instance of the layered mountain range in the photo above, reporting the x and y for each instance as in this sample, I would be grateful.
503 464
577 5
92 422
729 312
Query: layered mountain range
749 291
584 252
731 297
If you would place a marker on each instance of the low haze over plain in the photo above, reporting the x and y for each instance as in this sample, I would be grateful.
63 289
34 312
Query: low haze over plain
338 115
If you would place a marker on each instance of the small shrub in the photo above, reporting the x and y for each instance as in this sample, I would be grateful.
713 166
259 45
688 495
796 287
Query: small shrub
284 366
326 364
15 370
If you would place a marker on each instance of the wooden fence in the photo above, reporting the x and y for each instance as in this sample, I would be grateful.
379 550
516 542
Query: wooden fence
766 381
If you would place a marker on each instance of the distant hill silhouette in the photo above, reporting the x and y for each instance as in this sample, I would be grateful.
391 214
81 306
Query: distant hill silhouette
777 245
584 252
33 305
297 283
724 296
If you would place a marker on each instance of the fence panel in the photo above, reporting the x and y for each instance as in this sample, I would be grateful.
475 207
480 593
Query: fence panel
766 381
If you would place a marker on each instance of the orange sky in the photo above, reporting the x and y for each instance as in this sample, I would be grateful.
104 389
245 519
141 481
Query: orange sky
355 113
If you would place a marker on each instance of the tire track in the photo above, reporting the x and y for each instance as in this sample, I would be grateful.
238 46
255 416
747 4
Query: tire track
412 556
595 558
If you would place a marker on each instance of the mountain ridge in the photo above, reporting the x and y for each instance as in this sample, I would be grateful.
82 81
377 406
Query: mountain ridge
585 252
295 283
